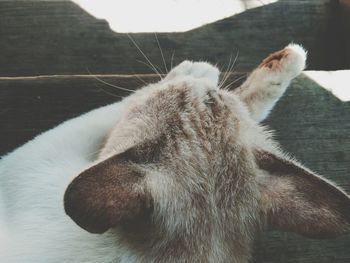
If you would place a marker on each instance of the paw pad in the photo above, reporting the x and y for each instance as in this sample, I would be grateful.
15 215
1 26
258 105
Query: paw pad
290 60
272 61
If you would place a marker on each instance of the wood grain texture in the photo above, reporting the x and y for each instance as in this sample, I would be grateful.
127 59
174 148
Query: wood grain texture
309 122
30 106
344 19
58 37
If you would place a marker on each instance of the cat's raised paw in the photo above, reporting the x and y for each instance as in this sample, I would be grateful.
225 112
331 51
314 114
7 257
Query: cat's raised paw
197 70
291 60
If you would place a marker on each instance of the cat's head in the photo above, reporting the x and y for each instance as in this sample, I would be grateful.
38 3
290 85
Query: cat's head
188 169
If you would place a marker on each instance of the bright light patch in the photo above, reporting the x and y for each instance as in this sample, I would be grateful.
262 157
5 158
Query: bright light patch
336 82
164 15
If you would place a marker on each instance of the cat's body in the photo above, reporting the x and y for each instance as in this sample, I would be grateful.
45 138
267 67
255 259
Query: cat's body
33 181
180 171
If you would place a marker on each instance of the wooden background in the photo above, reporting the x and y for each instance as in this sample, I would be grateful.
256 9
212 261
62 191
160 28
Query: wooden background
61 41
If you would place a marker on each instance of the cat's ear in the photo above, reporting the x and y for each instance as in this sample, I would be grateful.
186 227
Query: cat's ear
295 199
107 194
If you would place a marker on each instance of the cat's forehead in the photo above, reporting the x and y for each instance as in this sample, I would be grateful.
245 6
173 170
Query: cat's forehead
162 107
184 88
165 94
158 105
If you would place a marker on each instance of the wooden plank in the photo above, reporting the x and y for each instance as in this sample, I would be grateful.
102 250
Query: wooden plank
309 121
58 37
344 10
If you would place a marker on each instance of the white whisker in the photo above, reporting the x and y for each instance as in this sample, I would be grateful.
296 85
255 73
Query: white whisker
226 72
233 82
172 59
229 70
143 54
112 94
109 84
161 53
142 80
156 72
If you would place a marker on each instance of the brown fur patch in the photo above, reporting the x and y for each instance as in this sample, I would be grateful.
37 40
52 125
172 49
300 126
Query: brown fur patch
272 61
297 200
105 195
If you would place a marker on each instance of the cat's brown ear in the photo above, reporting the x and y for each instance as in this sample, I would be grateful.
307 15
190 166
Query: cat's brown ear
108 194
295 199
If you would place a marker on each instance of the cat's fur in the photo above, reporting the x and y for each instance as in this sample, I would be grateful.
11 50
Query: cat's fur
180 171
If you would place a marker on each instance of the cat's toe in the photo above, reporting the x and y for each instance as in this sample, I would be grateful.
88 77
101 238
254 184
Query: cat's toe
295 60
291 60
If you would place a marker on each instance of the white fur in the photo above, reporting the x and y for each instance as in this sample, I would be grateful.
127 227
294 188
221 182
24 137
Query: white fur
33 180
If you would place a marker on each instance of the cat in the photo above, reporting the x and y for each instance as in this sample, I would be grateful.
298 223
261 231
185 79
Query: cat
179 171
